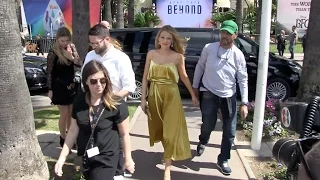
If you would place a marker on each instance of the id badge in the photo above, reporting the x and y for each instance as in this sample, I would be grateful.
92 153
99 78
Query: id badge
93 152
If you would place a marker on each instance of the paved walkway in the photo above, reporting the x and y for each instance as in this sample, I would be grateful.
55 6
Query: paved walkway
148 159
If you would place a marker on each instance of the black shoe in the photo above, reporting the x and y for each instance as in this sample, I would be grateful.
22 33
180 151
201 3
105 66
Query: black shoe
200 148
224 168
61 141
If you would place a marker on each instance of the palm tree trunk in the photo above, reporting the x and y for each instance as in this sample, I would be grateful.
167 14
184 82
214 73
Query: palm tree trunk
119 14
80 26
259 10
131 13
20 153
310 81
108 11
239 14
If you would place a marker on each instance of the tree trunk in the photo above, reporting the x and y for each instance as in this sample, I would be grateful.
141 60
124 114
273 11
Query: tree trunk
80 26
259 10
131 14
239 14
108 12
119 14
20 153
310 82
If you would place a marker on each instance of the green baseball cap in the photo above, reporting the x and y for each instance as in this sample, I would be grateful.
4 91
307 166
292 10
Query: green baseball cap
229 26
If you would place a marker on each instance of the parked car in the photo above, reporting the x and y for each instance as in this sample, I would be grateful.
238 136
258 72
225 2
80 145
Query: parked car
283 74
35 72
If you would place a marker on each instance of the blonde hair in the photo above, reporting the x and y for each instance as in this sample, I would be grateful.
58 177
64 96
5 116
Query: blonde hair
115 43
63 32
91 68
177 42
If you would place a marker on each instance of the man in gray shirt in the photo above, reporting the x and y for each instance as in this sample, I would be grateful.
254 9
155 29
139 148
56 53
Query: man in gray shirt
293 36
219 68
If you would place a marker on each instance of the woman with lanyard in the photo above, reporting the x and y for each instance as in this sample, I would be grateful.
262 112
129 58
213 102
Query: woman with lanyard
98 119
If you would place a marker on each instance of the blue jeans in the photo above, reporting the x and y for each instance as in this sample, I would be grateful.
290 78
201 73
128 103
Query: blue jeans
210 103
291 49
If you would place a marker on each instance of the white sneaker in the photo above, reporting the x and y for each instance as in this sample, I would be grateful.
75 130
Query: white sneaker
118 177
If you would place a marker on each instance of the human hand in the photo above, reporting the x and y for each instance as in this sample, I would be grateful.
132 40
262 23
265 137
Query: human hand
195 101
196 92
68 54
143 106
243 111
129 165
59 165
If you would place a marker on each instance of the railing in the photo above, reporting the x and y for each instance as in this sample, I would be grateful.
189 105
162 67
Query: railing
31 45
273 45
47 43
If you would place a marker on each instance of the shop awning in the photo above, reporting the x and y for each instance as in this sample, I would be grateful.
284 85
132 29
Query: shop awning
223 3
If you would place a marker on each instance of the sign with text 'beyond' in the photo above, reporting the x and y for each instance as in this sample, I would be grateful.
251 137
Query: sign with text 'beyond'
293 12
185 13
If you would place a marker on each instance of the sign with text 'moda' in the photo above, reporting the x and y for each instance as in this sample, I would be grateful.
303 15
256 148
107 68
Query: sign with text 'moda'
185 13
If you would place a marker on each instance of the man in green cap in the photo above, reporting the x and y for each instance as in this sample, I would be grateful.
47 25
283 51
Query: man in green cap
220 67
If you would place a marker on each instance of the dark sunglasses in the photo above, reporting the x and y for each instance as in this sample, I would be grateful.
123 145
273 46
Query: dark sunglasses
95 81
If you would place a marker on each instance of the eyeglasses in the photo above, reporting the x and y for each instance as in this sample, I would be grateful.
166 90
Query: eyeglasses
95 81
220 55
95 44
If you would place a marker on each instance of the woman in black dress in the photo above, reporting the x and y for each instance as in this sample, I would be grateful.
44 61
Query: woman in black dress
60 71
99 119
281 43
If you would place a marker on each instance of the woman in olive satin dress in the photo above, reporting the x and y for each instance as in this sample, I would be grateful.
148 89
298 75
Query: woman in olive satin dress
166 119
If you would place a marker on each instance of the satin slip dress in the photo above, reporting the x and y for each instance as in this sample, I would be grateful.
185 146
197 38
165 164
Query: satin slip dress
167 122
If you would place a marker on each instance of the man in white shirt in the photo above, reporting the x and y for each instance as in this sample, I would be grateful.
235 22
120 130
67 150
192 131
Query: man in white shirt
116 62
118 65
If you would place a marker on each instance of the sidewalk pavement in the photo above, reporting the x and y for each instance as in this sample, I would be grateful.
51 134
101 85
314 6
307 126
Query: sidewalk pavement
297 56
148 159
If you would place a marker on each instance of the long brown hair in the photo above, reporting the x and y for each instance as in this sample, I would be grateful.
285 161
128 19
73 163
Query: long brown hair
91 68
177 44
58 50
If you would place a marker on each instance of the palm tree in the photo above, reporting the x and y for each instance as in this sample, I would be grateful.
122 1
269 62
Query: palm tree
108 11
310 81
80 26
20 153
239 14
259 10
119 14
131 13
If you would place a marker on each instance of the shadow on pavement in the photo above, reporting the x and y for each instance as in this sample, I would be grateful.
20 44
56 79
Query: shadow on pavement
152 160
69 171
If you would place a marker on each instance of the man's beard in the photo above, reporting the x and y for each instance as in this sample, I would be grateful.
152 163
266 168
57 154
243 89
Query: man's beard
102 49
225 42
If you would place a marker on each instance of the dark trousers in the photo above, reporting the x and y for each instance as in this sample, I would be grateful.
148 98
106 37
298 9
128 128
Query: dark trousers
39 51
281 51
210 104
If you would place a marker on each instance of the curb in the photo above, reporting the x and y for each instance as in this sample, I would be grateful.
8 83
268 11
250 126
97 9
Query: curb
244 162
135 117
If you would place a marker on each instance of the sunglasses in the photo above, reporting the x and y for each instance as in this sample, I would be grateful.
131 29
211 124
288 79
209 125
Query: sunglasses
95 81
220 55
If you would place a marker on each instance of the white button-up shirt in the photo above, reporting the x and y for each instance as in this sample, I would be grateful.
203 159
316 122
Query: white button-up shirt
119 67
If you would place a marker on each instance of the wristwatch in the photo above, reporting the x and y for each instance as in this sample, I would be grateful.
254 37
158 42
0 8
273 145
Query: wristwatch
244 104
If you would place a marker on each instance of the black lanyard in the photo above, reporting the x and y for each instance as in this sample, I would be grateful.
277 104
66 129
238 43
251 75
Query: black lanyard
93 125
93 118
